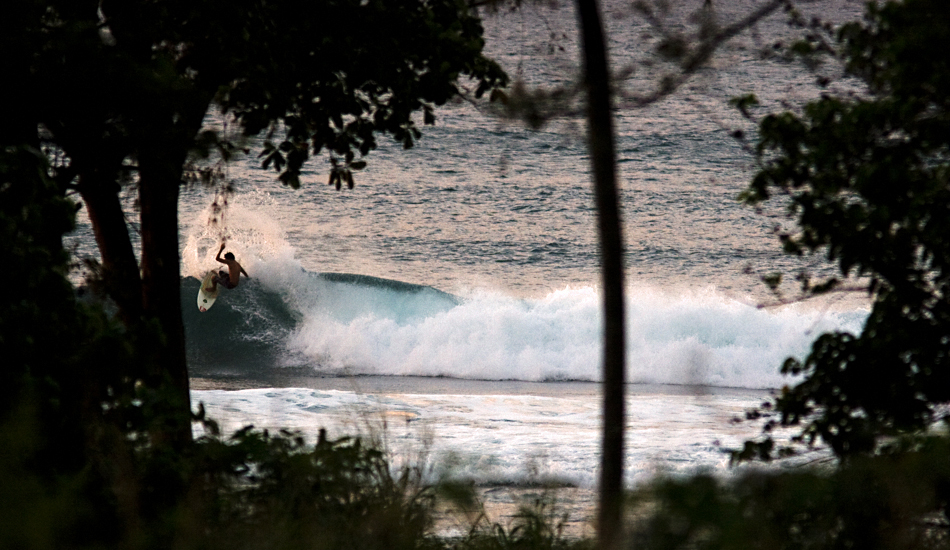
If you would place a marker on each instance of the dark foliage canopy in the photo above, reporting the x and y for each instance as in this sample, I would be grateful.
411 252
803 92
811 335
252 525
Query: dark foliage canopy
117 92
335 73
867 179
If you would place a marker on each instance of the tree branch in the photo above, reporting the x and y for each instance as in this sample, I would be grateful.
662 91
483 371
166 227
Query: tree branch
694 61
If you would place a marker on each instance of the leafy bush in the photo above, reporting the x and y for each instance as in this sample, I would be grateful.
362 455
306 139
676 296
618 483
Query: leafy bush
537 526
259 490
865 177
886 502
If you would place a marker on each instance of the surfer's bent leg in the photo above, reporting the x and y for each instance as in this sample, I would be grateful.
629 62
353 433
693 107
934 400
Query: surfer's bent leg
219 278
223 279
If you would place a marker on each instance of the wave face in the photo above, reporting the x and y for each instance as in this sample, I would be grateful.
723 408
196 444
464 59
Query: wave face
251 327
362 325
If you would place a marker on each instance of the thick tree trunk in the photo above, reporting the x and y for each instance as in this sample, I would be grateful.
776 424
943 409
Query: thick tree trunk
162 155
160 180
603 161
120 269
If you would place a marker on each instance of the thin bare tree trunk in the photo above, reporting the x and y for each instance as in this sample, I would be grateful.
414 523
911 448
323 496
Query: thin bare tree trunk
603 162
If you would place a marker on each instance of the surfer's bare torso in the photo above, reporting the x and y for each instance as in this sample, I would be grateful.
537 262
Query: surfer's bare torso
228 279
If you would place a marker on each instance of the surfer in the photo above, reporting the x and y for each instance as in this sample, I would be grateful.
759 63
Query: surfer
228 279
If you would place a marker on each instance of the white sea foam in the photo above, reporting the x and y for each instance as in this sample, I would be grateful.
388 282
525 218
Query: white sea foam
693 338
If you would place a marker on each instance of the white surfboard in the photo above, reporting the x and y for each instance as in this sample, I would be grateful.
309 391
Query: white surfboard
206 299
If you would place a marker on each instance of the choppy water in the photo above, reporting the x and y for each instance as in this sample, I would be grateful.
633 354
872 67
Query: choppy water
479 262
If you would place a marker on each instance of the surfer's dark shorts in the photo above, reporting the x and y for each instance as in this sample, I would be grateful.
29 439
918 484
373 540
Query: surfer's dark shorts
224 280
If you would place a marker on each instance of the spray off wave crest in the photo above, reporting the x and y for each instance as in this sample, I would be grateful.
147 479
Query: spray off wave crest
363 325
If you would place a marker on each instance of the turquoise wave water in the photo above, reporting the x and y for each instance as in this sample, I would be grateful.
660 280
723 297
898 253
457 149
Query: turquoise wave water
247 329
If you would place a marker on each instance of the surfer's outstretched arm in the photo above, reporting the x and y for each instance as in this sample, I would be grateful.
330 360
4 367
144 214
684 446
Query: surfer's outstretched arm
218 257
244 272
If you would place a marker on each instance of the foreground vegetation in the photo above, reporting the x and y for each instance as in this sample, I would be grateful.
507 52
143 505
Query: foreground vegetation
252 490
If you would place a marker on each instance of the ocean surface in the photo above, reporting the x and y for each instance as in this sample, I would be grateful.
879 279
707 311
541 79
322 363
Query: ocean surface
449 304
